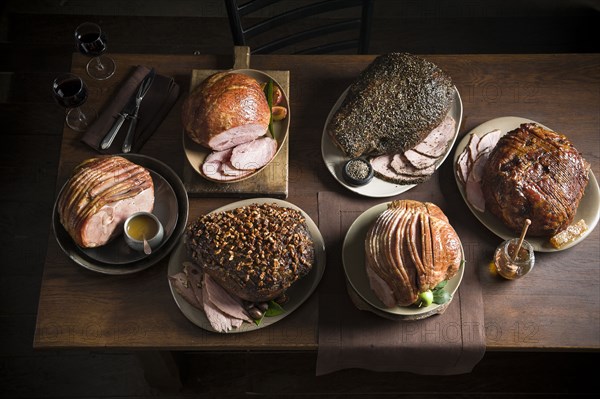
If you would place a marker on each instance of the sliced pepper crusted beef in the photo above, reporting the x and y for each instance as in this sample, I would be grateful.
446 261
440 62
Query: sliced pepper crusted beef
396 101
255 252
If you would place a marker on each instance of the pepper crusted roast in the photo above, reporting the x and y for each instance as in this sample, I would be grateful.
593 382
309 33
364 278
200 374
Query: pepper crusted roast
393 105
535 173
101 193
255 252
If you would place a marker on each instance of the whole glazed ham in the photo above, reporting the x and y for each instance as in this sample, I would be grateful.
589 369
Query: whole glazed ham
225 110
101 193
410 248
537 174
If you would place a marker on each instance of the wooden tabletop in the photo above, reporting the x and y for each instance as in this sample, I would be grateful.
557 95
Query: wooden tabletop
555 307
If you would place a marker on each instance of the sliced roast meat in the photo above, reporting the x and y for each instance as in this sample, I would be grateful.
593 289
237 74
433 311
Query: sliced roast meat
402 166
224 301
489 140
183 286
254 154
436 143
382 166
419 161
219 156
471 163
236 136
217 319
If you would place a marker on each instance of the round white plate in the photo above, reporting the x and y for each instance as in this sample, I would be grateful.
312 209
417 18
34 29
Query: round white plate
353 257
195 153
334 158
170 206
299 292
589 207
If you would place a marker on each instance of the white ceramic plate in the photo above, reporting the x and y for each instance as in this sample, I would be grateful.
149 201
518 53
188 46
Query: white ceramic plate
334 158
353 257
195 153
299 292
589 207
170 206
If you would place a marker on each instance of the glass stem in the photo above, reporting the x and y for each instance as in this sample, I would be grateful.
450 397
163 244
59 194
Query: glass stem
99 65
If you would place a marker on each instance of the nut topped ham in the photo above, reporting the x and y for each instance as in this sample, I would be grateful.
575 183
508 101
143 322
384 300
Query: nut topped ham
255 252
410 248
101 193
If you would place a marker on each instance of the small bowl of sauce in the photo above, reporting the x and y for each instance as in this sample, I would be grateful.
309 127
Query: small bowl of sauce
358 172
142 225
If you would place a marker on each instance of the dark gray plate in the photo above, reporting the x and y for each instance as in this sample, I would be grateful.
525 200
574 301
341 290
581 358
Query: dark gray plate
171 207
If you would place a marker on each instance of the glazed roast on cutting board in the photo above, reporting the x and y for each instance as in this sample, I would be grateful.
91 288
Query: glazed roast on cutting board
256 252
101 193
537 174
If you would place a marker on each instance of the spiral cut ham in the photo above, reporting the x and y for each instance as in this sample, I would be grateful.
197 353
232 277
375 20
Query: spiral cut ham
101 193
537 174
410 248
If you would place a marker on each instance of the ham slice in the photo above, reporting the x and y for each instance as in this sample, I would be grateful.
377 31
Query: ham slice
436 142
254 154
419 161
224 301
470 166
396 169
240 161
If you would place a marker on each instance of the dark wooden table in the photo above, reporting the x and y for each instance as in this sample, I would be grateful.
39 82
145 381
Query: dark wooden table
555 308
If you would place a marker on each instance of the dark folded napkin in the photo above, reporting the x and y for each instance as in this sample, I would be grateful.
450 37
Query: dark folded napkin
353 334
155 106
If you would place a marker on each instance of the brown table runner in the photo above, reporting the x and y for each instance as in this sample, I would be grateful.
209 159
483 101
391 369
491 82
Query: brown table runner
443 344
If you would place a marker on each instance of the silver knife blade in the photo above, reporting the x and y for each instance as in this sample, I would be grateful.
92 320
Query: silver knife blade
142 90
112 133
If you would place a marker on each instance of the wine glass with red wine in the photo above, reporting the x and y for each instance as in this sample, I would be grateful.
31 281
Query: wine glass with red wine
91 41
70 92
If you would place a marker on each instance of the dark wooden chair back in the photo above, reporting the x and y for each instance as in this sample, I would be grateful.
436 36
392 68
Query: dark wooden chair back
323 27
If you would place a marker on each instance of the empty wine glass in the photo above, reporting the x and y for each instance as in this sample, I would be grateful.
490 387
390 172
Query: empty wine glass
91 41
70 91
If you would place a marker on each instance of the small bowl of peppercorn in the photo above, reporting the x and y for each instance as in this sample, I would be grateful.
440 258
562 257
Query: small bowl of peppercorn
358 172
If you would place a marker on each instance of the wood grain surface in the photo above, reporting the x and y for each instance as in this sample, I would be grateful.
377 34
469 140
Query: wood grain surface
554 308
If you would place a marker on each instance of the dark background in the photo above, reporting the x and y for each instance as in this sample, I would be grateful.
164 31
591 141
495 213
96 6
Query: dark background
36 39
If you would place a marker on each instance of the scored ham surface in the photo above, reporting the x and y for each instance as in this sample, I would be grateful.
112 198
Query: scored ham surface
410 248
101 193
225 110
537 174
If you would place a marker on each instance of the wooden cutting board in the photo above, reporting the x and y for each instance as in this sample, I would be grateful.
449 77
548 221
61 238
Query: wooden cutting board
272 181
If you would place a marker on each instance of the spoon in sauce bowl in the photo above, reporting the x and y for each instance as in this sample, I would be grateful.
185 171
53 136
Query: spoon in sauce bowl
147 249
